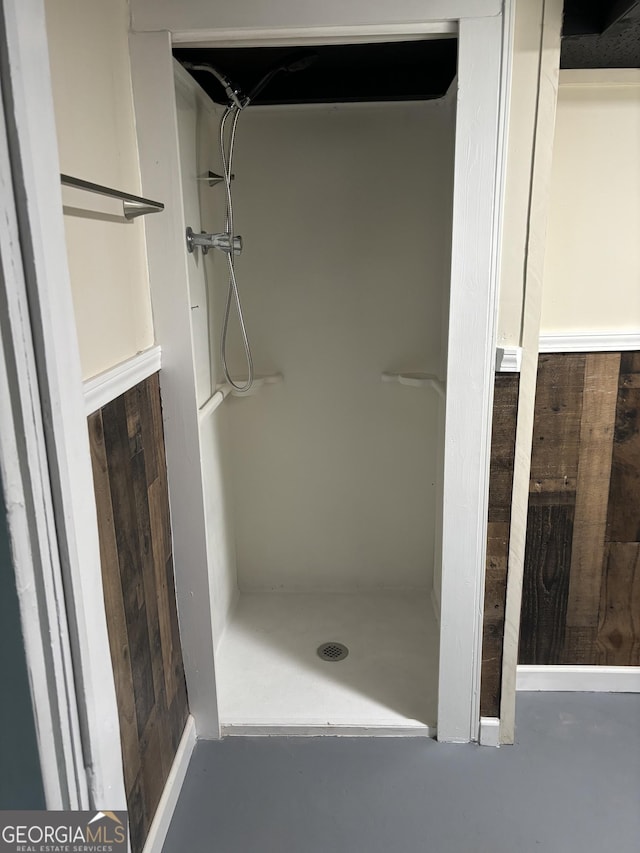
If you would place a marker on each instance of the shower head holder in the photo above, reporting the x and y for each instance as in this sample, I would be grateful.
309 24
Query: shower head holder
213 178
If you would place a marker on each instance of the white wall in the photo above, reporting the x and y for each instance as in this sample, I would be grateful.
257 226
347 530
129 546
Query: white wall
592 264
522 116
197 130
346 216
89 54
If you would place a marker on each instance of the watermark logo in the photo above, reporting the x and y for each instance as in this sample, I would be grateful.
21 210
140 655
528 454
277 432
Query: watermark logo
63 832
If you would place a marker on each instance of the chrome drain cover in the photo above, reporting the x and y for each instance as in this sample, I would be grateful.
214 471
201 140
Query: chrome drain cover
332 651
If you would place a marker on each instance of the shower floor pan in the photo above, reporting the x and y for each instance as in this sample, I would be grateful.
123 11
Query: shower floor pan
271 679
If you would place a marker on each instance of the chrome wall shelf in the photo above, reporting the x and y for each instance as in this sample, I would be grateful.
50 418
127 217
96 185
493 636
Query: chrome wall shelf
132 205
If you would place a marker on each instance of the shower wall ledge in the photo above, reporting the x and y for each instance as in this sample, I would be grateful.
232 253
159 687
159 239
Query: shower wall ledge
226 389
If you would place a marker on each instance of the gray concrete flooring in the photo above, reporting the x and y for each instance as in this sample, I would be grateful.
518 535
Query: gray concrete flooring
570 784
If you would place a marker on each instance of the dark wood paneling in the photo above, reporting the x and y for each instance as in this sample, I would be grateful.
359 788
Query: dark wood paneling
592 488
546 582
581 594
113 598
556 429
505 405
623 523
618 640
493 625
503 440
127 448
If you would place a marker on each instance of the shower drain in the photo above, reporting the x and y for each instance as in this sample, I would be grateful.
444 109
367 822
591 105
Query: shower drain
332 651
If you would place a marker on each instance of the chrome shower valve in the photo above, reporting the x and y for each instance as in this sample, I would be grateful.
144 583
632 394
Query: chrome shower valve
206 241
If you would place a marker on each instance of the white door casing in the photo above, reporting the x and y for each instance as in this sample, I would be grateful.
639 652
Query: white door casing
49 379
482 88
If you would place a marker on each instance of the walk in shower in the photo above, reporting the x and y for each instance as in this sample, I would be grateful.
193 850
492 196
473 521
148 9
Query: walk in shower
322 448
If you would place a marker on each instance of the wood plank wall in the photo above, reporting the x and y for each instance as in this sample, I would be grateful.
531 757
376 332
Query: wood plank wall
129 469
581 596
503 440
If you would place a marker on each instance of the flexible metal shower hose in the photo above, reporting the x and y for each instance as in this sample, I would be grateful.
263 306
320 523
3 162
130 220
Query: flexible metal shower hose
232 292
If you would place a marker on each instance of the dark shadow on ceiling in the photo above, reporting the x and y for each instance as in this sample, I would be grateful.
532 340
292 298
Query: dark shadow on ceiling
601 34
345 73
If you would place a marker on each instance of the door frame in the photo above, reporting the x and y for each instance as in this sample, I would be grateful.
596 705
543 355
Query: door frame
44 447
28 504
484 56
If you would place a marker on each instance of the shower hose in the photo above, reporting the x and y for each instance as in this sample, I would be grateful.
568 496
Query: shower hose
226 154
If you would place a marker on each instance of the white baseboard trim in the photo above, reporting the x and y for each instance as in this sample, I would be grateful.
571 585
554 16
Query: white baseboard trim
508 359
585 679
105 387
591 342
489 731
166 806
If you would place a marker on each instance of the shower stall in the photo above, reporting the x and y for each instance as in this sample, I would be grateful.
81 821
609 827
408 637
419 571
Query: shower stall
328 499
323 477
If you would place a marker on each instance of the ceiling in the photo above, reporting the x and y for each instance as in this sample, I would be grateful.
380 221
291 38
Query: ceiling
601 34
596 34
395 71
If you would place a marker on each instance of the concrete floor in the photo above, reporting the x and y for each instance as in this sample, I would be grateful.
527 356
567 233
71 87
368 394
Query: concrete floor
571 784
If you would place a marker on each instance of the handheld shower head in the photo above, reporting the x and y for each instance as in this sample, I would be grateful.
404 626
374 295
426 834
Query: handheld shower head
298 61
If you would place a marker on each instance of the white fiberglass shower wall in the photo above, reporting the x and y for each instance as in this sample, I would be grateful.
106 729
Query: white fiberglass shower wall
323 488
